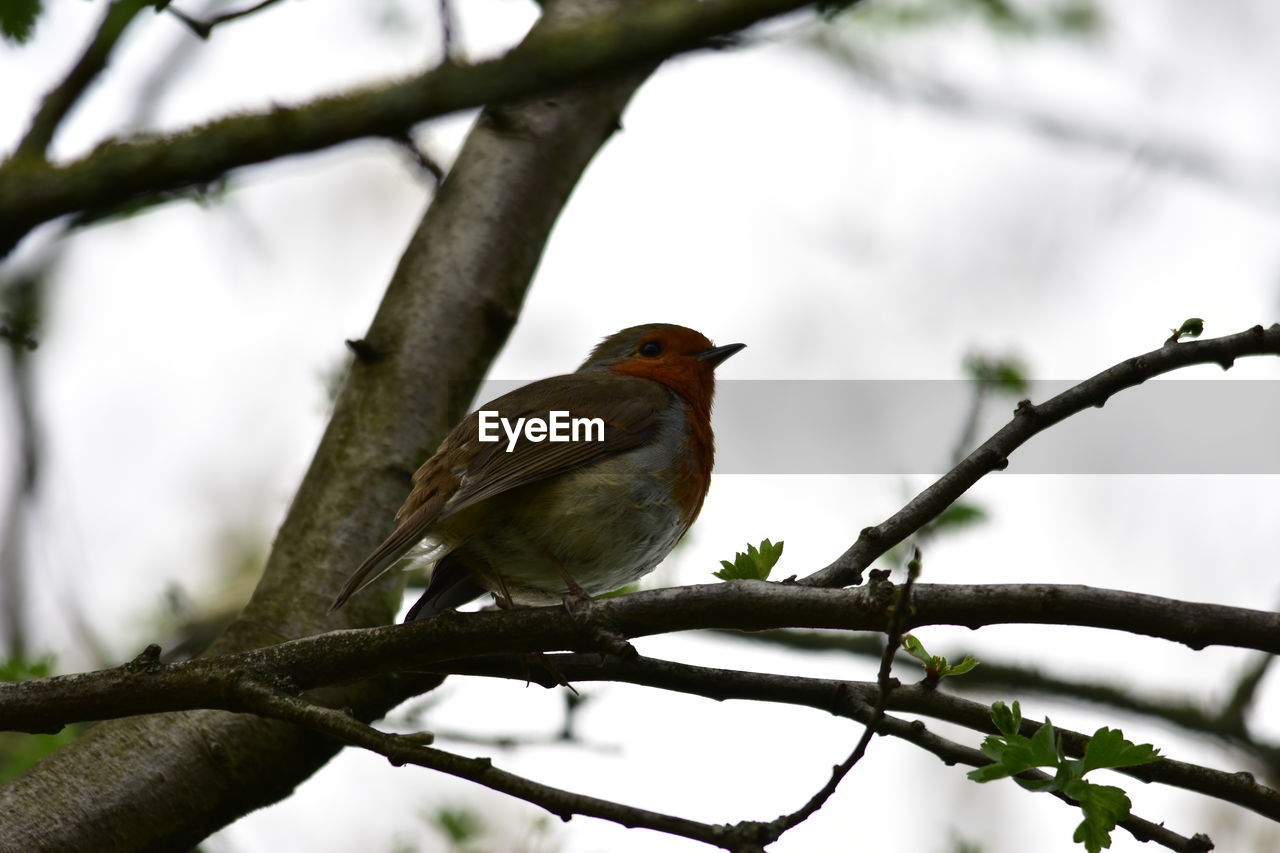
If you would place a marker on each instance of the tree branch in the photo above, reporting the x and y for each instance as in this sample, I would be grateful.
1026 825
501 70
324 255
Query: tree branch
1029 420
261 698
58 103
856 700
1185 712
168 781
885 684
551 57
204 29
47 704
1177 157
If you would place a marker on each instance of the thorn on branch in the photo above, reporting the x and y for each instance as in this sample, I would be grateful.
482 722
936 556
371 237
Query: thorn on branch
148 660
1200 843
365 352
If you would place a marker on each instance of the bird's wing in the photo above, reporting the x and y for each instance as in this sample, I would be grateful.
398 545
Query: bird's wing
465 470
629 407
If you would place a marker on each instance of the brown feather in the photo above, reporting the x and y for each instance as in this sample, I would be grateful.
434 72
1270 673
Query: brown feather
465 471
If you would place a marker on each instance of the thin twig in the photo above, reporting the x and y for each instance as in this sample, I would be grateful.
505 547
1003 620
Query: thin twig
59 102
22 297
204 28
1183 711
885 684
855 701
1180 158
426 164
1029 420
268 701
447 25
1236 708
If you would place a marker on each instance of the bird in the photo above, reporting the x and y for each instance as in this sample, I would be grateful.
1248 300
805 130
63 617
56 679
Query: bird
536 521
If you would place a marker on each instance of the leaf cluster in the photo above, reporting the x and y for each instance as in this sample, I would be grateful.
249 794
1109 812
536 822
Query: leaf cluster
1103 806
755 564
936 667
18 19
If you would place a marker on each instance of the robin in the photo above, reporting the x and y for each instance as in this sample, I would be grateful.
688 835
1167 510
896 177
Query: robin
569 486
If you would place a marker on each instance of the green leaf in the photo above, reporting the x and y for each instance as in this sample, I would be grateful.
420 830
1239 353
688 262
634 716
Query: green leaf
18 19
935 665
1191 328
19 751
22 669
959 515
622 590
1108 748
1008 720
988 772
1005 375
1077 18
912 646
1045 746
967 663
460 825
1014 753
755 564
1103 806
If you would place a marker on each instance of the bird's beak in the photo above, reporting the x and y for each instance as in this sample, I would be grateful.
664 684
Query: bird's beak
715 355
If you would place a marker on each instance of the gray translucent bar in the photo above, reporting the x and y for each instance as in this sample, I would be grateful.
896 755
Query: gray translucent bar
899 427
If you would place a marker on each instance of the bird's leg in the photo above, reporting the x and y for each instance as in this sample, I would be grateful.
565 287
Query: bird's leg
502 597
605 640
576 594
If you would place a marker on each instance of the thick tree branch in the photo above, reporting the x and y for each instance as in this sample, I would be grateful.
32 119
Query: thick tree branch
1029 420
551 57
166 782
342 656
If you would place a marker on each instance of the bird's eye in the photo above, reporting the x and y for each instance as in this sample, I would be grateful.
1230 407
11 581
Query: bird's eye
651 349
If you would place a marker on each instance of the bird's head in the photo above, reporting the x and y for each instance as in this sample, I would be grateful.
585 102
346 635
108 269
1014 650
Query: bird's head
678 357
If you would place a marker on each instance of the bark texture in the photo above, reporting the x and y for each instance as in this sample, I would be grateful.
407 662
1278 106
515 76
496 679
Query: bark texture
165 782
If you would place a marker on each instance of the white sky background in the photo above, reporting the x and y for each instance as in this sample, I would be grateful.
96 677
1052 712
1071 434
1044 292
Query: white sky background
760 195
